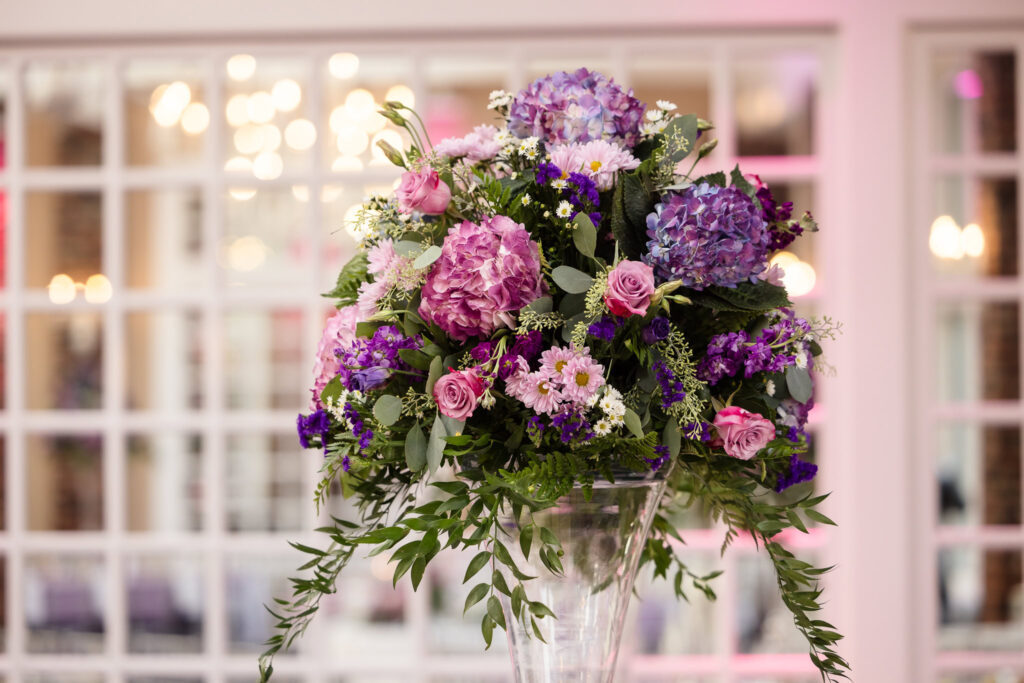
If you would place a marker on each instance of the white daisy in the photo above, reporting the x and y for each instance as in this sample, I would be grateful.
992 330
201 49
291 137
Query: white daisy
654 114
558 183
526 200
503 137
564 210
666 105
801 360
612 392
615 420
602 427
769 388
498 98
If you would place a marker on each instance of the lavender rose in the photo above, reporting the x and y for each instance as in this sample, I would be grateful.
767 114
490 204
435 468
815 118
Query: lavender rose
658 330
742 433
423 191
630 286
458 392
485 274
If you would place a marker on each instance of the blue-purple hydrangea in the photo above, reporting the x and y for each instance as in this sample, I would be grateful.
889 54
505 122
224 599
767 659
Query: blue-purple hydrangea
707 235
576 107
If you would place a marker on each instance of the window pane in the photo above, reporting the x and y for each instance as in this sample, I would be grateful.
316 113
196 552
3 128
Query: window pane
64 354
679 79
661 624
264 483
975 101
163 360
251 583
64 604
350 123
339 230
763 623
974 232
65 476
3 360
64 113
265 239
979 600
451 632
263 96
63 236
5 89
164 483
164 679
164 240
63 677
774 104
268 365
165 604
458 89
979 470
999 676
165 115
978 351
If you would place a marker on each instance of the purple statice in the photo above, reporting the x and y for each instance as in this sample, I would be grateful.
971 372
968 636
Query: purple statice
581 190
546 172
534 426
315 424
662 457
701 431
671 386
658 330
368 363
604 328
707 235
576 107
595 218
572 424
359 428
799 471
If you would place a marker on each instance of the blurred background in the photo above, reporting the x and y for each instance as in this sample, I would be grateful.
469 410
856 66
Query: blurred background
175 188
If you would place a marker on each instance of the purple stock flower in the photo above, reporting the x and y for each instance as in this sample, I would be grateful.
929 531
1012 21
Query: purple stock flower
663 456
359 428
799 471
657 330
701 430
546 172
526 346
314 424
576 107
671 387
485 274
572 424
774 214
367 364
707 235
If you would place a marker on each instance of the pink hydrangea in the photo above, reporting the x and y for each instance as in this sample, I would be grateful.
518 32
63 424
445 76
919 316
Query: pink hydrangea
484 275
599 160
339 332
479 145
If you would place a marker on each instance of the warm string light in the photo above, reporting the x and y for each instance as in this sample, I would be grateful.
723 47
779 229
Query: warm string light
949 241
63 289
799 278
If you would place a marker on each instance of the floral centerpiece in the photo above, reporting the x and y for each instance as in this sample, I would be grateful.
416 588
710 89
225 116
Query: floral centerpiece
546 306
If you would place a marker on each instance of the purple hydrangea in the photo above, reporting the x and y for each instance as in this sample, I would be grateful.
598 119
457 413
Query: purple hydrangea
368 363
799 471
576 107
707 235
485 274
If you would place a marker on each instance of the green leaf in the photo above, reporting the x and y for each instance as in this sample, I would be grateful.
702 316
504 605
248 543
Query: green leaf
686 128
526 540
418 567
498 580
585 234
795 520
539 609
332 391
798 382
671 437
495 612
501 552
476 595
571 280
425 259
387 409
570 325
407 248
416 449
354 273
476 564
487 628
544 304
436 368
630 205
435 445
738 181
367 329
453 427
818 517
415 358
712 179
633 424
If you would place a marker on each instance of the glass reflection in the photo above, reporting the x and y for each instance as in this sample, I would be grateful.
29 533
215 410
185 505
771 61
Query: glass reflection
65 476
980 600
265 239
974 101
457 94
978 473
773 101
64 113
267 364
250 583
63 236
164 239
165 112
165 604
263 483
64 354
164 483
64 604
978 348
763 623
163 360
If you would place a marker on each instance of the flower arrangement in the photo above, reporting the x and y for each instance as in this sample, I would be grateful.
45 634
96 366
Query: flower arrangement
550 302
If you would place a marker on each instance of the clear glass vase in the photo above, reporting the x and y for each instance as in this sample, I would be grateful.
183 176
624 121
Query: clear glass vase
602 540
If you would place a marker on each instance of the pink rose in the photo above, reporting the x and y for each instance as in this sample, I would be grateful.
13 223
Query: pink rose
630 286
743 433
458 392
424 192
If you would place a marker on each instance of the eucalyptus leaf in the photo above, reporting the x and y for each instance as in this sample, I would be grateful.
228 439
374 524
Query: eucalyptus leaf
570 325
436 368
632 421
544 304
585 234
387 409
571 280
452 427
684 127
435 446
407 248
416 449
432 253
798 382
671 437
